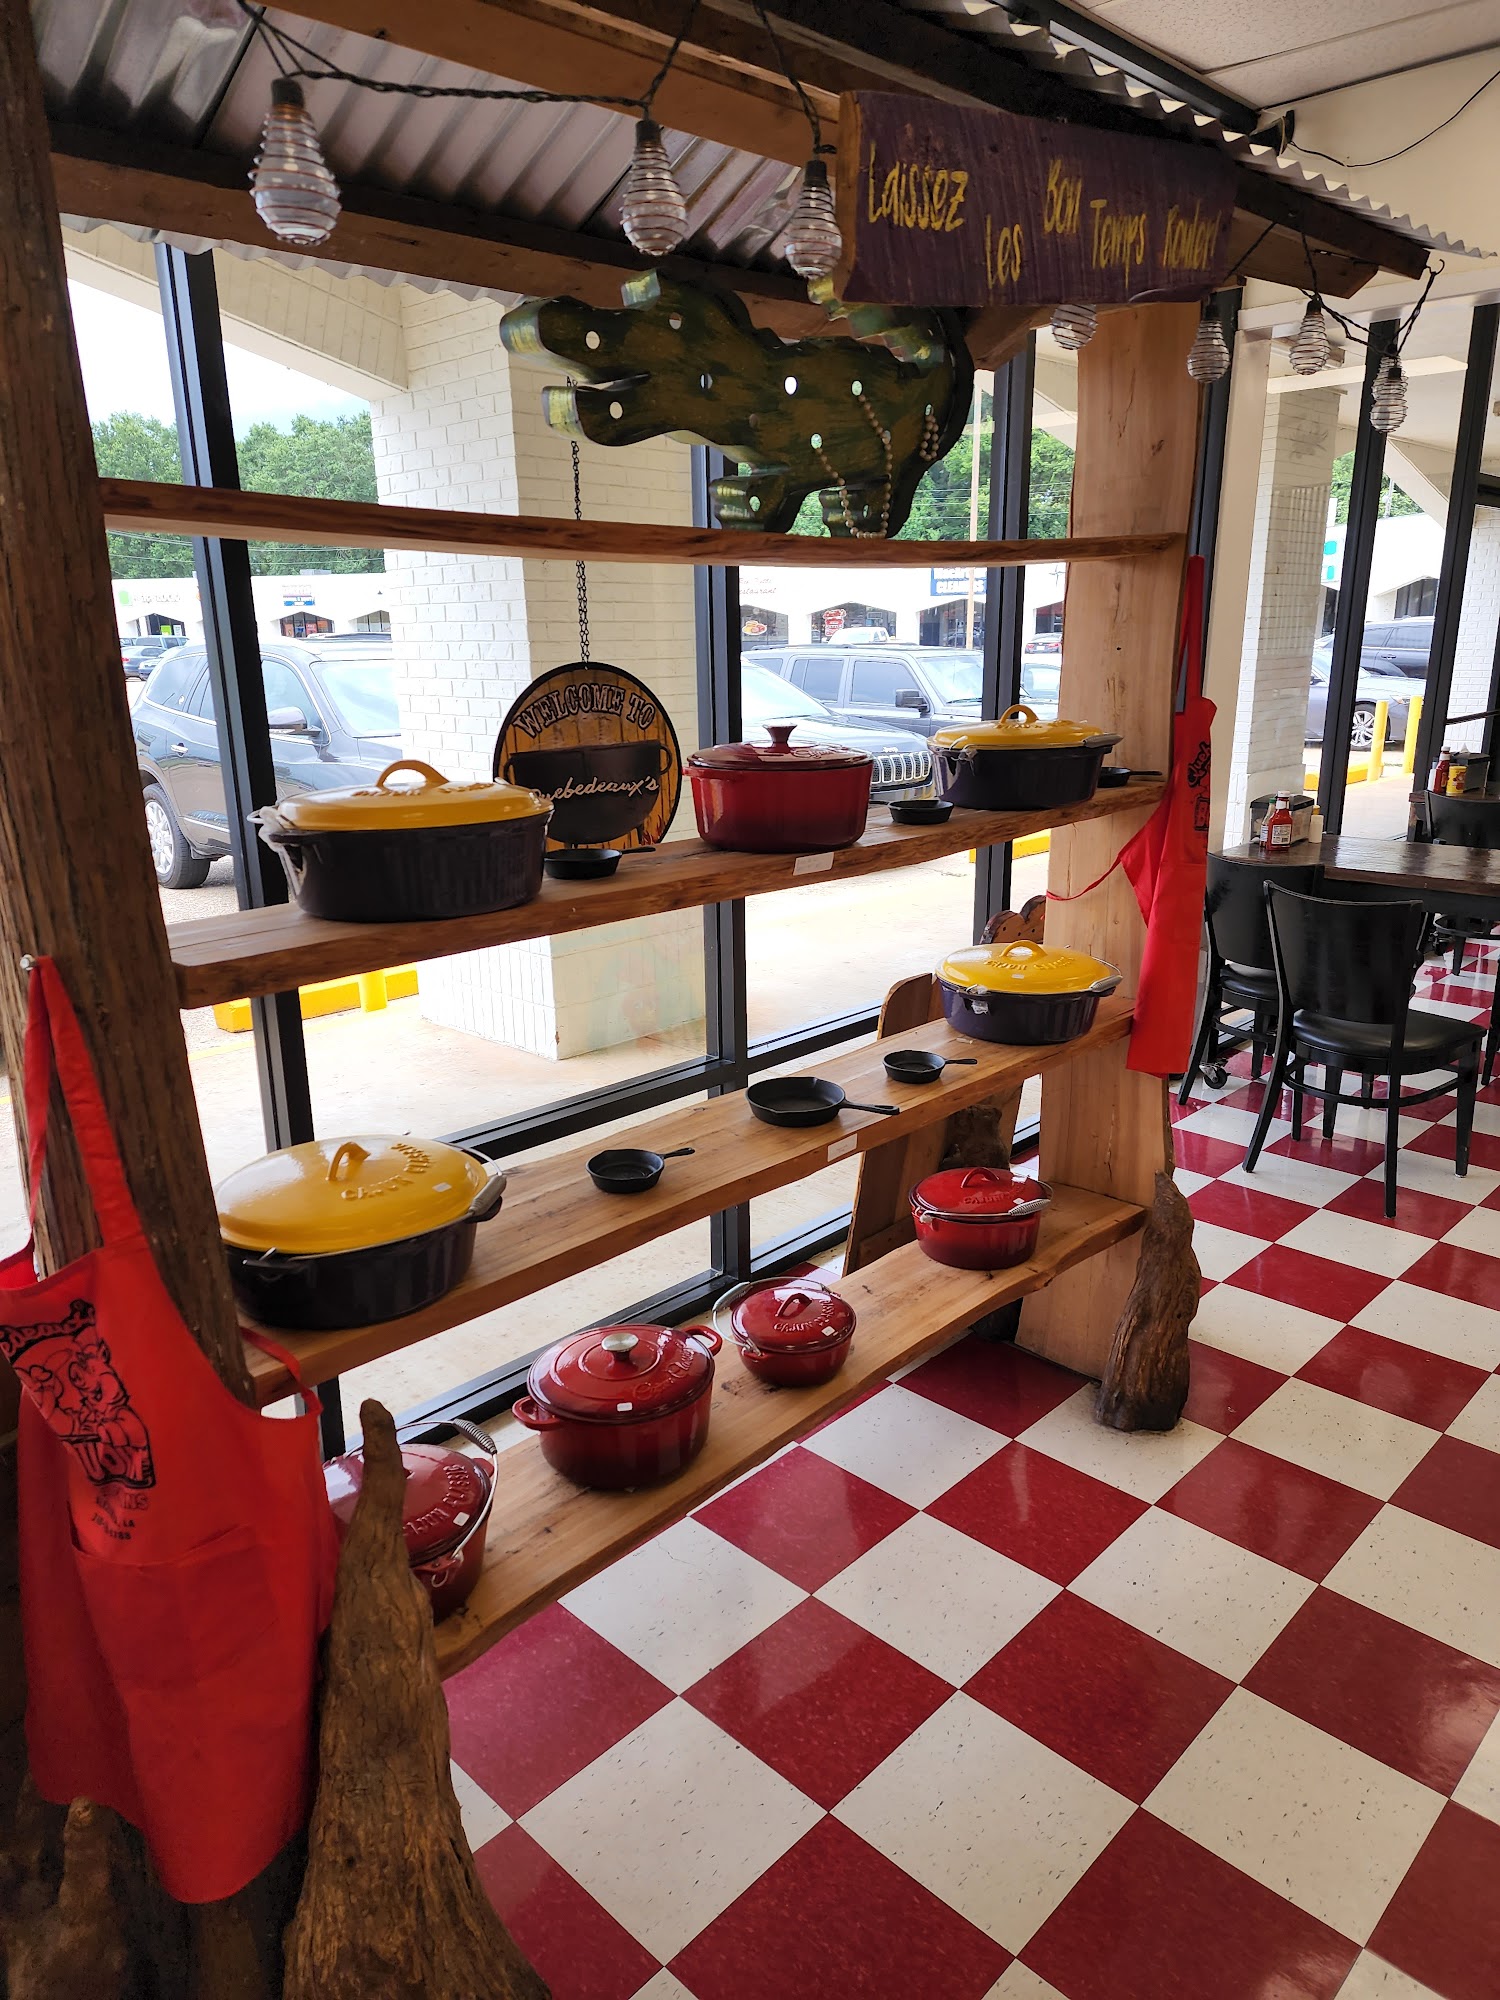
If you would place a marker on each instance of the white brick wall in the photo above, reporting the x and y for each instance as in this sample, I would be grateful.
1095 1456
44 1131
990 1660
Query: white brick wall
1479 621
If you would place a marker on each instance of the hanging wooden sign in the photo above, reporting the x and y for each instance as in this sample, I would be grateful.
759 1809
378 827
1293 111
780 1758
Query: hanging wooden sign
951 205
602 747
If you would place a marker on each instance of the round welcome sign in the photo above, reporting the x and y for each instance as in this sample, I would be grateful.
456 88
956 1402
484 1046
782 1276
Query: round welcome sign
602 747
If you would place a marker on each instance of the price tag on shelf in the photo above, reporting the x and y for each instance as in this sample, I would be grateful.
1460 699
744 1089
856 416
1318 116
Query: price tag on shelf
842 1147
812 864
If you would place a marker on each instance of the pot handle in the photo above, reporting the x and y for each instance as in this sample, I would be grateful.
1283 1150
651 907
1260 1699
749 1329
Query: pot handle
1018 708
487 1202
348 1155
726 1304
526 1410
708 1338
982 1176
280 835
429 775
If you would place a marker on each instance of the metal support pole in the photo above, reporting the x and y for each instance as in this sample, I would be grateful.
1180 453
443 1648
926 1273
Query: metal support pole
1005 589
1208 480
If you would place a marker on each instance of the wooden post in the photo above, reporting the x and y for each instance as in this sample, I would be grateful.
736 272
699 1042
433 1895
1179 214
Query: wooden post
75 874
1103 1125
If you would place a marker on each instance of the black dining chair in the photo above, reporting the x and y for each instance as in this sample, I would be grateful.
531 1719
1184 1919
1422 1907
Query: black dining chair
1465 822
1240 977
1344 976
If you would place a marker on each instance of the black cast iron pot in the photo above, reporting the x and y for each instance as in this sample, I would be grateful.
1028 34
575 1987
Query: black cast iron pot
370 876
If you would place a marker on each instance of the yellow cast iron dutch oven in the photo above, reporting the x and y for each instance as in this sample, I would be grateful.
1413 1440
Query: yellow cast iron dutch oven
1023 992
1019 763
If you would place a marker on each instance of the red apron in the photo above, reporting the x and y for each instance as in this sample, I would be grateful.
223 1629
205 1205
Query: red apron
1167 862
176 1548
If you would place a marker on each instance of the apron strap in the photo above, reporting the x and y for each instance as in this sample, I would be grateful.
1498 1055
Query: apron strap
55 1048
1190 633
289 1362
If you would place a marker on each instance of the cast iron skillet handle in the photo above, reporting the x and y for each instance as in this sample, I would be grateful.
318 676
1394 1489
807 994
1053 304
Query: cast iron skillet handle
678 1153
487 1202
959 1062
885 1110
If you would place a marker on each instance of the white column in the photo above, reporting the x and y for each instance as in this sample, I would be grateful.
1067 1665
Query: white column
1479 620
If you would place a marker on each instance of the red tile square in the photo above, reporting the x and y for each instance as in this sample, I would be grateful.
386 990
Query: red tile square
1267 1216
1442 1926
576 1946
1316 1284
1224 1388
1107 1697
819 1699
1422 1214
1205 1286
1392 1375
1392 1692
1159 1918
1459 1274
1484 1147
1037 1511
1272 1507
548 1699
1202 1155
1457 1485
1345 1156
833 1918
994 1382
804 1517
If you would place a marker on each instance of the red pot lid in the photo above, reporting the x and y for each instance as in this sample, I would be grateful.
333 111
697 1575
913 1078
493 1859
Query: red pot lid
444 1491
777 755
977 1194
792 1315
621 1374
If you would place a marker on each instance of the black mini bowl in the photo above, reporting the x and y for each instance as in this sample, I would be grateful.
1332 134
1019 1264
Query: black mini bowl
920 812
582 864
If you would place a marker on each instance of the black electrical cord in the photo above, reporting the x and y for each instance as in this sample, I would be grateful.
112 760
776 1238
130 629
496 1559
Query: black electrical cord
809 110
1354 166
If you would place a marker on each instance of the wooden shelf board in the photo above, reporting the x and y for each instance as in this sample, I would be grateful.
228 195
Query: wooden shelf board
250 952
555 1223
141 506
547 1535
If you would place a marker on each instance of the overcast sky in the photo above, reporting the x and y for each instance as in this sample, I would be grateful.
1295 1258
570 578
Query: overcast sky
124 354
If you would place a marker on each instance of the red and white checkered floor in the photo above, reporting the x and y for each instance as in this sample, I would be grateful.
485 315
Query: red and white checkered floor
967 1699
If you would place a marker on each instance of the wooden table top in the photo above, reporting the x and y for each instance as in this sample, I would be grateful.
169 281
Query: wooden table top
1415 865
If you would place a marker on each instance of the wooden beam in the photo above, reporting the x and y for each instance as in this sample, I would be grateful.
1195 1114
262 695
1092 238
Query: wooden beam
138 506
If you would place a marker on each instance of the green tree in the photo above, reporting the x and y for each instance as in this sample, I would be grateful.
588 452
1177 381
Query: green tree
940 510
1392 500
1051 485
130 446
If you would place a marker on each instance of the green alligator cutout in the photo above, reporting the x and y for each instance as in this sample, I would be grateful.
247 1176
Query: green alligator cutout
856 421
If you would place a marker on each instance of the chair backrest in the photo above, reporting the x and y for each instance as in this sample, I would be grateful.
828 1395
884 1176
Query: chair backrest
1235 906
1463 822
1353 961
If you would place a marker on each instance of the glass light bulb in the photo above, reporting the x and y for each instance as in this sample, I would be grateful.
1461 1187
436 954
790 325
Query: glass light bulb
652 209
1074 326
295 195
1388 399
1311 347
814 242
1208 357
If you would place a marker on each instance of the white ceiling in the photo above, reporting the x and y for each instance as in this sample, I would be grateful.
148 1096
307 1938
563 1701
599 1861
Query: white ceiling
1277 51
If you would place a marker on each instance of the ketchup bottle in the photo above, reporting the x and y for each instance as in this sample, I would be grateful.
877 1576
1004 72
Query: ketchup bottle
1276 833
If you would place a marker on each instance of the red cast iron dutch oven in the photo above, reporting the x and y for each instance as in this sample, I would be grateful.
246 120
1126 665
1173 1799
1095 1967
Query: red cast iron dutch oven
622 1406
780 797
447 1502
978 1218
789 1331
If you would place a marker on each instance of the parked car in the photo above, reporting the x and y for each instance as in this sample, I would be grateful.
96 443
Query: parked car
1392 668
140 656
903 762
919 688
334 721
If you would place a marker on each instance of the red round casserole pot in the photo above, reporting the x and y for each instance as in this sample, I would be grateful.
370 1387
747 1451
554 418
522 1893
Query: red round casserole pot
780 797
446 1504
789 1331
622 1406
978 1218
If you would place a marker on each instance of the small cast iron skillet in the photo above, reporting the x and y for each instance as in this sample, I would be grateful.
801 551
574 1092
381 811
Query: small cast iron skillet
805 1100
921 812
581 864
630 1169
919 1065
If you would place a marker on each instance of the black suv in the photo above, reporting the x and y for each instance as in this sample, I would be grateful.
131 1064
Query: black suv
921 688
334 721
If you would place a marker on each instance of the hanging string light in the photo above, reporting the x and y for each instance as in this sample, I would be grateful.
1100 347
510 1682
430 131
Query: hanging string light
1074 326
295 195
1208 357
1312 346
652 208
1388 398
814 242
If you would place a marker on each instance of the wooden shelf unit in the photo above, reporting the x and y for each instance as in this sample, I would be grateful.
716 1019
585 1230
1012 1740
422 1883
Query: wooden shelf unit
250 952
547 1535
555 1223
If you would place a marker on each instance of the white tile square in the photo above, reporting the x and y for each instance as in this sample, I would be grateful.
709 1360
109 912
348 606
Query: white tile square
663 1987
1315 1820
1478 1422
1351 1442
1216 1602
1261 1329
1363 1246
1228 1122
1370 1978
943 1599
1145 1463
1486 1118
987 1818
1222 1251
1298 1180
1439 1325
482 1818
1432 1175
682 1603
1188 1183
1479 1230
907 1444
1019 1982
1479 1787
669 1826
1425 1575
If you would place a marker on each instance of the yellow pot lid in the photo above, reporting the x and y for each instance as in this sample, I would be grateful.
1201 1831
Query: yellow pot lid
346 1194
433 801
1024 967
1020 728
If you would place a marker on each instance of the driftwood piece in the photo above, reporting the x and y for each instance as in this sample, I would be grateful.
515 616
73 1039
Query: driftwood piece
64 1928
1146 1377
391 1906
